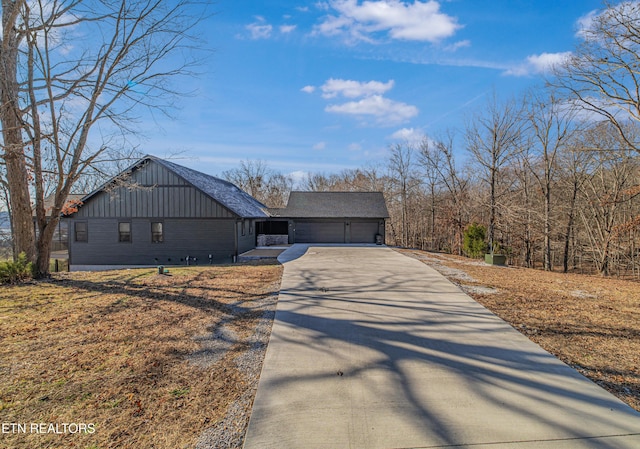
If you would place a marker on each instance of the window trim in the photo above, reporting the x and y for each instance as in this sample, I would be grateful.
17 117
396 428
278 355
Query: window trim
120 234
76 231
153 240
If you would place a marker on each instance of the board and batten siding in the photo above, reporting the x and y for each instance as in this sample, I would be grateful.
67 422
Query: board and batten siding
154 192
181 238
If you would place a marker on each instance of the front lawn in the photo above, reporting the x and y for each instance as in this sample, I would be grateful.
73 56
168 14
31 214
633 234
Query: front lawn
149 360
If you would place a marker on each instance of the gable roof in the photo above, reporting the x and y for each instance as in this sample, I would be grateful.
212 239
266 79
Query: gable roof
333 205
229 195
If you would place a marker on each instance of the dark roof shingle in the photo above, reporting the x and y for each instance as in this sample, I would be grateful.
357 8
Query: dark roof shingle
334 205
229 195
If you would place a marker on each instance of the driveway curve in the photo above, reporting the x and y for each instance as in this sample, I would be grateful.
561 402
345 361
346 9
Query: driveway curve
372 349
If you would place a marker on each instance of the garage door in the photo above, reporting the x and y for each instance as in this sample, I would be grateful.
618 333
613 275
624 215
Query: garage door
320 232
364 231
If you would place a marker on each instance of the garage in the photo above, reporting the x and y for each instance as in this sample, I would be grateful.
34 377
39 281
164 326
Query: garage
327 231
334 217
365 231
319 232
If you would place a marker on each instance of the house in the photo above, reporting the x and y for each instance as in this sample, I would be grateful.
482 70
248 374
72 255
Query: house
60 240
157 212
332 217
160 213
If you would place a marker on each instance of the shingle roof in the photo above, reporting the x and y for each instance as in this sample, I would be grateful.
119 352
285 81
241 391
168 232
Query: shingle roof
229 195
333 205
224 192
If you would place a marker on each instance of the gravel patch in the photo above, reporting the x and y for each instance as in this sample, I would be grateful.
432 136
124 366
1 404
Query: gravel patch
229 432
477 289
458 277
582 294
435 263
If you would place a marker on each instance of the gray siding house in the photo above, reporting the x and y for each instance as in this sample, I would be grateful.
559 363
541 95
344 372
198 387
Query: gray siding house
157 212
334 217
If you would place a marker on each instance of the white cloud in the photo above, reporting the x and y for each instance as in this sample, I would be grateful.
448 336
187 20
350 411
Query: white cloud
320 146
371 103
260 29
286 29
585 24
458 45
354 147
417 21
538 64
354 89
410 135
385 111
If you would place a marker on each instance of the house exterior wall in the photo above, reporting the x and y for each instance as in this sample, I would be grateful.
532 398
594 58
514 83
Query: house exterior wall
246 232
181 238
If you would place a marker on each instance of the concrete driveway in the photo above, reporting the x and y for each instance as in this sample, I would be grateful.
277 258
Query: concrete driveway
373 349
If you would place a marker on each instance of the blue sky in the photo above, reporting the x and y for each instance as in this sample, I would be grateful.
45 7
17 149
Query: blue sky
321 86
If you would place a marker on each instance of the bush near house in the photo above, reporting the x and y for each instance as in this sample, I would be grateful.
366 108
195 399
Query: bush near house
12 272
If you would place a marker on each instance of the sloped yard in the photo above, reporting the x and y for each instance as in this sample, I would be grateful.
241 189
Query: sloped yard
153 361
589 322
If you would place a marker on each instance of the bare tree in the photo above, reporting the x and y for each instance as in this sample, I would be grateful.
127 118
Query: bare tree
67 67
522 206
431 160
405 180
493 137
251 177
605 189
279 187
457 184
256 178
551 124
601 75
574 165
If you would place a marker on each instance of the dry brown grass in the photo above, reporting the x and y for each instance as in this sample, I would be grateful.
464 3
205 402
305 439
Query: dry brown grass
589 322
112 349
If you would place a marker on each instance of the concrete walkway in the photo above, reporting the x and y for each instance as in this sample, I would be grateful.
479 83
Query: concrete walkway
372 349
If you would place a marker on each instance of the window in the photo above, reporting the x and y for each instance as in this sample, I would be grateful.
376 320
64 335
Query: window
124 231
80 231
156 233
243 227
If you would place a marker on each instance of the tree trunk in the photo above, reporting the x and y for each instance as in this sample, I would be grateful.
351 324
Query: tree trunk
604 259
44 248
433 219
17 176
567 235
20 203
547 229
492 210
